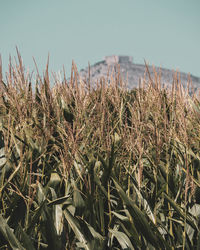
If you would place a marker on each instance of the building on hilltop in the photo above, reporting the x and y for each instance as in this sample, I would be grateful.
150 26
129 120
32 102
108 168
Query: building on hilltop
118 59
133 73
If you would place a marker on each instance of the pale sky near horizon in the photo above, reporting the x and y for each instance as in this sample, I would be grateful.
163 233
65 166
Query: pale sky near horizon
165 33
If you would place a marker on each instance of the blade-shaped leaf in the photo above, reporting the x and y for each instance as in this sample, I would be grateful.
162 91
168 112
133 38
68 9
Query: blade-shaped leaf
8 235
78 231
26 240
122 238
151 233
179 211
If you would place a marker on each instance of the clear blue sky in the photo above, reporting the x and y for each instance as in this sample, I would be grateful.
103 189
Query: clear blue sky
163 32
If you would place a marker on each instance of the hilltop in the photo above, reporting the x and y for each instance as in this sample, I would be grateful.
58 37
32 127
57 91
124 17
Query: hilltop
133 73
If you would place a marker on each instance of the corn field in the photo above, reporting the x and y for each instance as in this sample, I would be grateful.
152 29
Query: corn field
97 166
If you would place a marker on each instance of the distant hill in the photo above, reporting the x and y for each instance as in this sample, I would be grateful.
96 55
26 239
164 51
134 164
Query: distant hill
134 72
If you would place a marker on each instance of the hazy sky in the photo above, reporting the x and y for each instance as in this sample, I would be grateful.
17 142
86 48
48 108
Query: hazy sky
163 32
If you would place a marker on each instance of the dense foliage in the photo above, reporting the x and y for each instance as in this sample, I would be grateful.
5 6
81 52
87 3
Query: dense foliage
95 166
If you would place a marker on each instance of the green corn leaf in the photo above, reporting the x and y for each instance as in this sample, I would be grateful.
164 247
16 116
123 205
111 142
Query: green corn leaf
198 240
101 214
2 151
25 239
58 223
83 237
107 167
58 201
10 178
99 238
36 217
41 194
151 233
98 182
179 211
145 204
77 198
9 236
128 227
50 222
2 176
122 238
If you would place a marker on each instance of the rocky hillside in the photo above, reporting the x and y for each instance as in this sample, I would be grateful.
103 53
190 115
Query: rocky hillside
134 72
